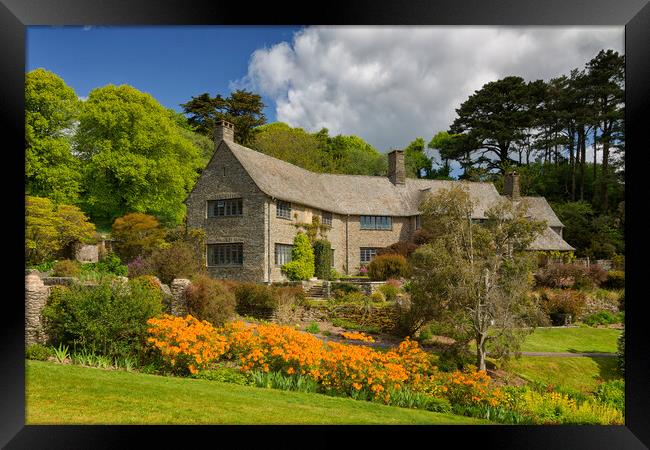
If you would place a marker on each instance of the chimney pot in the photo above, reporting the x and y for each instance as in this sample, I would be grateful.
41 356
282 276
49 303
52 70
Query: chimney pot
396 169
224 131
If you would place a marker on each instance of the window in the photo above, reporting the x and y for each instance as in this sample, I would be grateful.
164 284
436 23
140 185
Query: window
225 207
327 218
367 253
376 222
282 254
283 209
225 254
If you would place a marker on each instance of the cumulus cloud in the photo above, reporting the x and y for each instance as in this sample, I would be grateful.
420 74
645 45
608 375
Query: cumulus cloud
389 85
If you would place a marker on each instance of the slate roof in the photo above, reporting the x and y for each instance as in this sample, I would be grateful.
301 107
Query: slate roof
349 194
372 195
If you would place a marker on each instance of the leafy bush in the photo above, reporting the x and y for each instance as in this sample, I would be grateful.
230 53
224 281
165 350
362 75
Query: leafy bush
301 266
112 263
176 260
209 300
378 297
570 276
278 380
139 266
253 297
404 248
312 328
615 279
340 289
612 393
334 275
323 259
226 375
38 352
66 268
383 267
108 319
557 301
390 291
602 318
136 234
52 230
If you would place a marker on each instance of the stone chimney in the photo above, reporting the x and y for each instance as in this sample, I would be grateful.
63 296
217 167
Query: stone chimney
511 185
224 131
396 169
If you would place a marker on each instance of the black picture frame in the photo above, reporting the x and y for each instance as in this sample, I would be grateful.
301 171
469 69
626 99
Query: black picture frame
15 15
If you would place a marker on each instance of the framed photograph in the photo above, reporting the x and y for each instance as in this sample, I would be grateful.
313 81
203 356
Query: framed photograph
268 221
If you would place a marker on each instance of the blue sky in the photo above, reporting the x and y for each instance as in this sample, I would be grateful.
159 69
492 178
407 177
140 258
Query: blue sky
387 85
171 63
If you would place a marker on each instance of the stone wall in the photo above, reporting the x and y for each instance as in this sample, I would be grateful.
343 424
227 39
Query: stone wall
178 290
87 253
36 294
224 177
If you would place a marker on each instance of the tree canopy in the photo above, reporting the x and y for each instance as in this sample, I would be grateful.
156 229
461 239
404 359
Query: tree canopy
136 158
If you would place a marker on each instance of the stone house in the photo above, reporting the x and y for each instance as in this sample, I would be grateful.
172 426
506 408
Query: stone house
249 205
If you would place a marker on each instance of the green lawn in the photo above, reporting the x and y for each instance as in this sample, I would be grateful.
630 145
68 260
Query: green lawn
580 373
67 394
587 340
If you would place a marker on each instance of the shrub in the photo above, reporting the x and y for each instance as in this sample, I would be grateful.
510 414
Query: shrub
404 248
612 393
390 291
383 267
66 268
52 230
340 289
615 280
556 302
334 275
301 266
226 375
38 352
253 298
209 300
290 304
323 259
136 234
108 319
602 318
112 264
378 297
139 266
570 276
176 260
312 328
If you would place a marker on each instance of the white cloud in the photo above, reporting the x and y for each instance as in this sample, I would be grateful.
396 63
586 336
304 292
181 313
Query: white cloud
390 85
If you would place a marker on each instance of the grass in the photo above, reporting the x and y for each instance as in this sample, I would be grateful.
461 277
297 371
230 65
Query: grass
580 373
573 340
68 394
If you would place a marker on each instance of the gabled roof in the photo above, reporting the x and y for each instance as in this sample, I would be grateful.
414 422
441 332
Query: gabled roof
539 208
549 240
349 194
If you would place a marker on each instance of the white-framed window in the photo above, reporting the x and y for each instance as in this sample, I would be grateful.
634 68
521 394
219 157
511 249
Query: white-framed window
327 218
367 253
282 254
283 209
230 254
376 222
225 207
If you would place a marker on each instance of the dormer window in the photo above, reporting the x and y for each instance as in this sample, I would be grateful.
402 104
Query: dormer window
327 218
376 223
283 209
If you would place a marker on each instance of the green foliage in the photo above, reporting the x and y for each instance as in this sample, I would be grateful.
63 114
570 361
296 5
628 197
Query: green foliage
602 318
615 279
278 380
226 375
390 291
255 299
66 268
244 109
612 393
61 353
136 234
312 328
111 263
38 352
108 319
340 289
620 352
178 259
378 297
323 259
135 157
301 266
560 301
416 161
52 230
352 325
407 398
51 107
210 300
383 267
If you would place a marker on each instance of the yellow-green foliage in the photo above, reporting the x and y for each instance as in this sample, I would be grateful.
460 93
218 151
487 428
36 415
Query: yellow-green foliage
557 408
136 234
301 266
52 229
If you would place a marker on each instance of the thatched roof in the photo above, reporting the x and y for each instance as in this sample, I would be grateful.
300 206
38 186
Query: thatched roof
549 240
539 208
